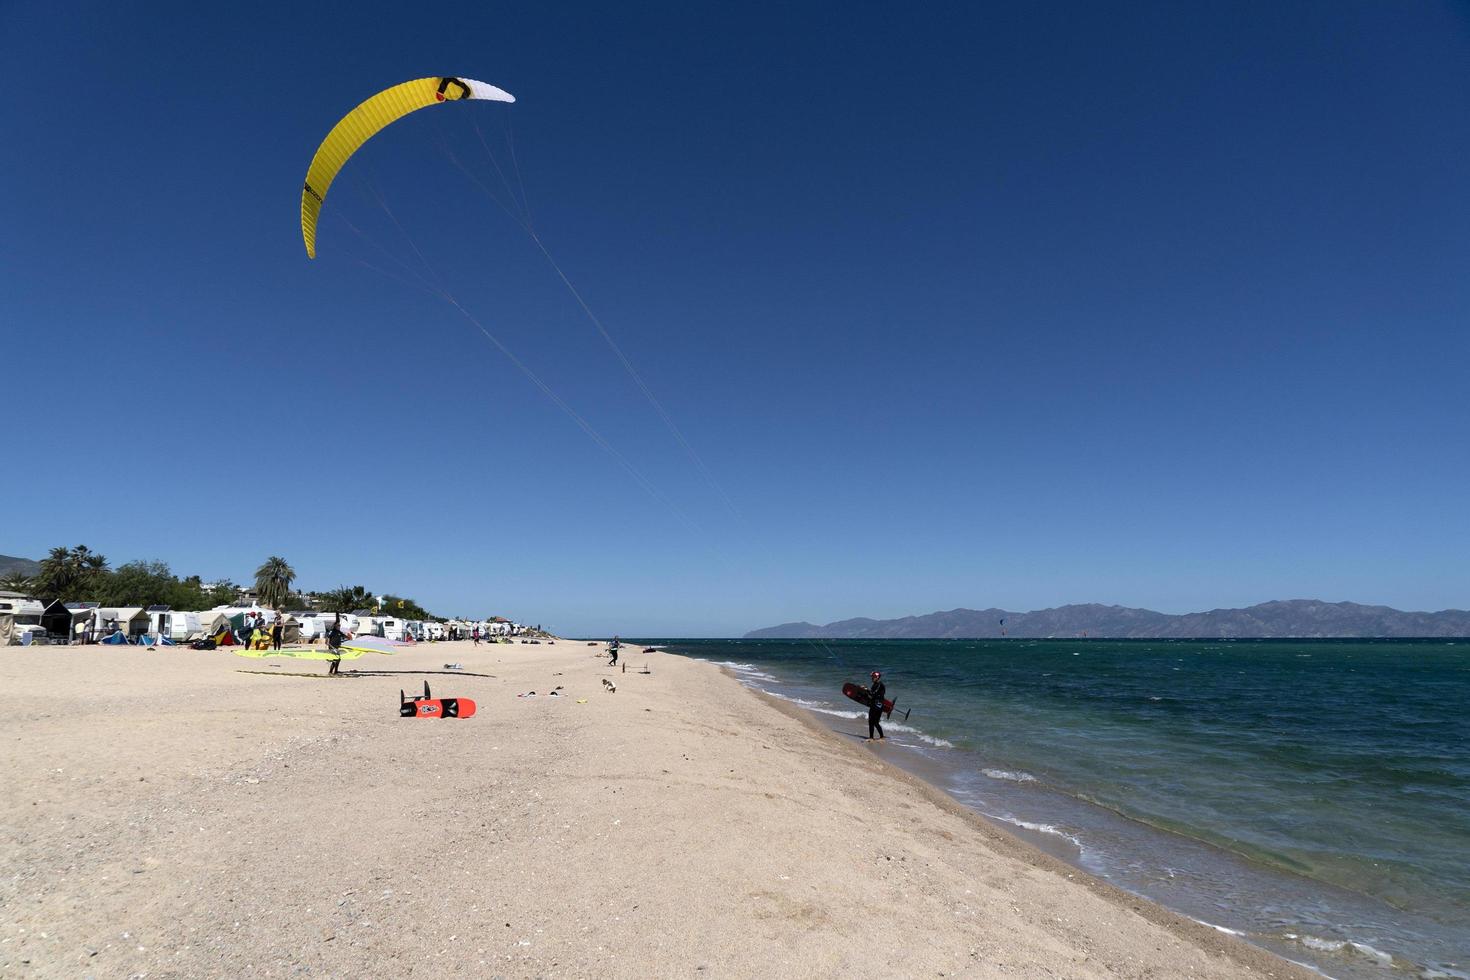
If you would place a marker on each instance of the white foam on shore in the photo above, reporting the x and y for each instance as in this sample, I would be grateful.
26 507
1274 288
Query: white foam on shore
1041 828
940 743
747 670
1005 774
1225 929
744 670
1342 946
813 705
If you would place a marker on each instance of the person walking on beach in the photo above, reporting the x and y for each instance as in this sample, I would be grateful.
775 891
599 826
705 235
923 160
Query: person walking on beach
612 649
876 693
334 645
477 636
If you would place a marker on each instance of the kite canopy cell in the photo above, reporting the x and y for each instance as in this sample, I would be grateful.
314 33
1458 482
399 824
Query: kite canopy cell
362 123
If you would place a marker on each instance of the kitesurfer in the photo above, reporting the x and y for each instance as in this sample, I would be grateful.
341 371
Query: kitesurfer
247 629
876 693
334 644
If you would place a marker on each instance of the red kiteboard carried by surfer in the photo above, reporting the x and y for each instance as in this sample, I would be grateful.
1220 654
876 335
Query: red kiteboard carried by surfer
863 697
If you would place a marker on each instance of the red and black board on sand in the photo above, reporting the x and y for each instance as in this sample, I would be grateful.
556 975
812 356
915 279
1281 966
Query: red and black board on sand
432 707
861 696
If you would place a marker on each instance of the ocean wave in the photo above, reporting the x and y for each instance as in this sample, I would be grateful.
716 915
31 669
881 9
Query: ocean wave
821 707
1015 777
1041 828
942 743
745 670
816 706
1342 946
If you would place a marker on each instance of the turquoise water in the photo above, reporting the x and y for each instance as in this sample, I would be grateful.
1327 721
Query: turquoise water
1312 795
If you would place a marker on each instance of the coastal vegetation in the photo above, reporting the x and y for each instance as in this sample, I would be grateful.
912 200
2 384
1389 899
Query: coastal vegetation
79 574
273 582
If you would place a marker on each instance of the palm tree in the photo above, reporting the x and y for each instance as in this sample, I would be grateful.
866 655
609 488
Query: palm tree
16 582
346 600
70 573
273 581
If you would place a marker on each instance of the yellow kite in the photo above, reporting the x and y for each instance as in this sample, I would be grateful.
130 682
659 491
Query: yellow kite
362 123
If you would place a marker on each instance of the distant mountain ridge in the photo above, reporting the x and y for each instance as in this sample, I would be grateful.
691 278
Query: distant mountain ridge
1282 619
9 564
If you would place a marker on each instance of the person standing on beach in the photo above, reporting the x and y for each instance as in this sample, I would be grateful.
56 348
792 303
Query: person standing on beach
876 693
334 645
477 636
278 629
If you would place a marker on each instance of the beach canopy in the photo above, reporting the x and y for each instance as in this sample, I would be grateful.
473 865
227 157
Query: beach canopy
370 644
362 123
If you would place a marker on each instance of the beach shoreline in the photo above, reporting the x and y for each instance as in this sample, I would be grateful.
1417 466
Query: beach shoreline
183 813
1036 850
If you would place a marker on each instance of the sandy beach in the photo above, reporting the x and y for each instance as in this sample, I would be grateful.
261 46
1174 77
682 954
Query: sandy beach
183 814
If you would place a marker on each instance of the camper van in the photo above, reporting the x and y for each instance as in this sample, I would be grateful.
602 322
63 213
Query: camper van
314 626
27 612
369 626
393 629
177 626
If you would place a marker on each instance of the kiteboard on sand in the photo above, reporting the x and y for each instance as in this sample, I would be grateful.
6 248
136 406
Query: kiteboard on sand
432 707
861 696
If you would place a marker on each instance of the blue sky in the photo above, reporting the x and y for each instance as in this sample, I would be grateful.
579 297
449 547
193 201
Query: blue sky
961 304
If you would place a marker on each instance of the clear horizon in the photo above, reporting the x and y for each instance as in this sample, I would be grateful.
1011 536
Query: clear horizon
1129 304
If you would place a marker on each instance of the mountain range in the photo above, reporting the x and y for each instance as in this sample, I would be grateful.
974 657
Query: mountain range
1303 618
23 566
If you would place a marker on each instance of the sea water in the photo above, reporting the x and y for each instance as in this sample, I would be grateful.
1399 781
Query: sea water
1312 796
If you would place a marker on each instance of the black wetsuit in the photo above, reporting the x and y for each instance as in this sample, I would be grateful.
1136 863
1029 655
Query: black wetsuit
613 649
334 644
875 710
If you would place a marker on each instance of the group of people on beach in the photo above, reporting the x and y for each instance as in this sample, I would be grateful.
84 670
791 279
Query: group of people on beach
256 633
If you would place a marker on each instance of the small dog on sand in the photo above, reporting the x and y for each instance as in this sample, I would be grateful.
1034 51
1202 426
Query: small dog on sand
609 685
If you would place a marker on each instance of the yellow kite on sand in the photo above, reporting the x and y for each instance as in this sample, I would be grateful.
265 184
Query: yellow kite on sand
296 653
362 123
351 650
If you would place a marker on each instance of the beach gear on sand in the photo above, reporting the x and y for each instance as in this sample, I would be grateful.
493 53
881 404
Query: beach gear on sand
428 706
297 653
364 122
